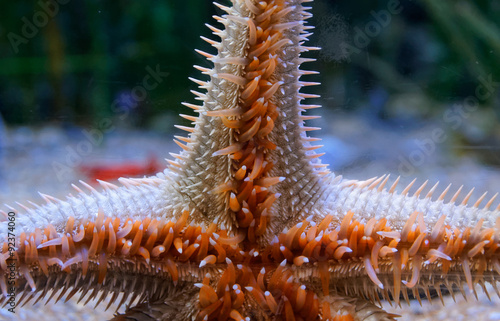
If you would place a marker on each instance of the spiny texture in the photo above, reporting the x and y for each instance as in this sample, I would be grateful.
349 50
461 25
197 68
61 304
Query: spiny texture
246 223
246 144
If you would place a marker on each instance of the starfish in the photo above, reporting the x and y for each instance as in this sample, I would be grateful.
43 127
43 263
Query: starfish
246 223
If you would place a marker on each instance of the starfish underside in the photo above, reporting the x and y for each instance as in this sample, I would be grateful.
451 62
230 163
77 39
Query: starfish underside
247 223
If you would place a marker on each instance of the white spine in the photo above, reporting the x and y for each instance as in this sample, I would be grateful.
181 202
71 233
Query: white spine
136 201
367 203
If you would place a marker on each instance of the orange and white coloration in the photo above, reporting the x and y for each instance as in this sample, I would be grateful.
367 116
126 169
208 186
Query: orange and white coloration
246 223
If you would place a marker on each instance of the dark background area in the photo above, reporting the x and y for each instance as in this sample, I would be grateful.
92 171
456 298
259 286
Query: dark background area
415 65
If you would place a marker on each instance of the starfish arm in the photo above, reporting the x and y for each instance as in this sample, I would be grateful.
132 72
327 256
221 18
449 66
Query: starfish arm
250 129
104 255
431 245
138 198
369 199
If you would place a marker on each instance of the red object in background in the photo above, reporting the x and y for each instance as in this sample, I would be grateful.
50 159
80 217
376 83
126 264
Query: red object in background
128 169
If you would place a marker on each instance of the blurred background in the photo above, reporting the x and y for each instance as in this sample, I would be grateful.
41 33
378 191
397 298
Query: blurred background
72 65
91 89
66 65
74 102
